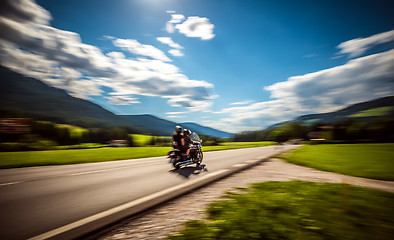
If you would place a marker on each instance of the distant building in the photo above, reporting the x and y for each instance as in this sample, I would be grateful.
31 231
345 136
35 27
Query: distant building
320 134
118 143
15 125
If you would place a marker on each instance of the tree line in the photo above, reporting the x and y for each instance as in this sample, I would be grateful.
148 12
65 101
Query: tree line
45 134
378 130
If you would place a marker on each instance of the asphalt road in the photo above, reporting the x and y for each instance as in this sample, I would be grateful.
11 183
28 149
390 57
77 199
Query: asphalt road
36 200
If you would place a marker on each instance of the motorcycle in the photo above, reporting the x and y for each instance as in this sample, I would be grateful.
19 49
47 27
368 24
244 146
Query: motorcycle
179 159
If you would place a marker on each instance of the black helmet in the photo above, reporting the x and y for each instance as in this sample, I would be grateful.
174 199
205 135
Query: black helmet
178 129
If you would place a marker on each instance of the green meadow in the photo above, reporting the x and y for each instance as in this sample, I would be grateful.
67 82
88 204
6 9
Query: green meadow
361 160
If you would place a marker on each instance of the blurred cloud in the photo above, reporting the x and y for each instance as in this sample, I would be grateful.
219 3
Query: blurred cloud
358 80
358 46
175 52
194 26
169 42
122 100
137 48
170 27
197 27
30 46
176 18
24 11
242 103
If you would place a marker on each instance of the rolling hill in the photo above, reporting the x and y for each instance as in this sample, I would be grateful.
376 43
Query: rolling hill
364 111
150 124
21 96
202 130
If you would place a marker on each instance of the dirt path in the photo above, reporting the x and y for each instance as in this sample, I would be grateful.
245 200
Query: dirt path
167 218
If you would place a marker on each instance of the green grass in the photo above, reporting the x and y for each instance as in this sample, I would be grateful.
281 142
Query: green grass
296 210
75 132
141 140
362 160
60 157
236 145
374 112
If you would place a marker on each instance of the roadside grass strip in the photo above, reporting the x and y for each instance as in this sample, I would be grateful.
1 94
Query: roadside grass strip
74 156
374 161
296 210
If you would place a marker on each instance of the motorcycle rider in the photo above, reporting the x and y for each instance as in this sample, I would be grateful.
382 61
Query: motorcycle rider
177 138
186 142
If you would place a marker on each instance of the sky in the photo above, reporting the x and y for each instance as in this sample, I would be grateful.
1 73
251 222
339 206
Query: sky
233 65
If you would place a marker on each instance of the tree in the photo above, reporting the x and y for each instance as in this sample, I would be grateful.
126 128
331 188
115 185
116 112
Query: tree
152 141
130 141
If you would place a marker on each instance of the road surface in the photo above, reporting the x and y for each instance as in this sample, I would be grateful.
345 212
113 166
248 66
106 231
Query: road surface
36 200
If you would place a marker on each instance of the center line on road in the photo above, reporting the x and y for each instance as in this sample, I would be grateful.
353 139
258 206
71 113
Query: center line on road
96 171
9 183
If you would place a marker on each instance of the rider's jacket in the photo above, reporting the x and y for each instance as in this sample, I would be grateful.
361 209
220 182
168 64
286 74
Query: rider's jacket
188 141
177 140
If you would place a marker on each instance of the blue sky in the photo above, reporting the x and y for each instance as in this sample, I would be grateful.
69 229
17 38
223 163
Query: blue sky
229 64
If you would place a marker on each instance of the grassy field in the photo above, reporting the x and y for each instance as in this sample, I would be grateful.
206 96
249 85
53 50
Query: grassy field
362 160
296 210
60 157
374 112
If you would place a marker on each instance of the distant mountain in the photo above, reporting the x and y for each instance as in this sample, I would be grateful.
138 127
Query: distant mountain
202 130
150 124
21 96
364 111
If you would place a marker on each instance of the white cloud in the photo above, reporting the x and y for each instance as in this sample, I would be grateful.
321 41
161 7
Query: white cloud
30 46
175 113
176 52
176 18
242 103
122 100
197 27
358 80
170 27
170 11
358 46
137 48
24 11
169 42
175 116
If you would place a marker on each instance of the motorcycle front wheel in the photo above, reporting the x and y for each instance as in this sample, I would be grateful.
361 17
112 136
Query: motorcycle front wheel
199 158
176 166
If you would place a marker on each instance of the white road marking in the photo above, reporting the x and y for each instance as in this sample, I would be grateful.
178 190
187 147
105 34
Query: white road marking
96 171
123 207
9 183
239 165
252 161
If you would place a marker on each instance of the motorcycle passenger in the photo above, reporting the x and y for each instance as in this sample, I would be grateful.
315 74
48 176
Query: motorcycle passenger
186 142
177 138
